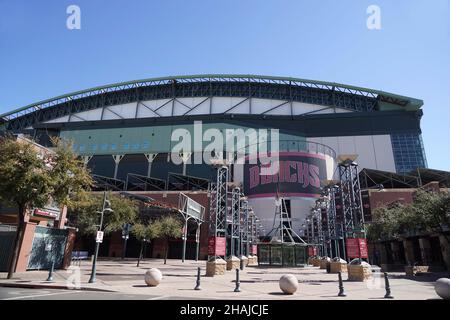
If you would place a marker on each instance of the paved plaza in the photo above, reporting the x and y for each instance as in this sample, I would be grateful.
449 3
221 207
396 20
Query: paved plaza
179 280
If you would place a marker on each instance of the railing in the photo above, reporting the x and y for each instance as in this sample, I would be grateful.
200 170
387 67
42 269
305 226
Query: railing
7 227
298 146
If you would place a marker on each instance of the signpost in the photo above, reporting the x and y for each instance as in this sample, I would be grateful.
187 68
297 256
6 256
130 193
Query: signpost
125 235
99 237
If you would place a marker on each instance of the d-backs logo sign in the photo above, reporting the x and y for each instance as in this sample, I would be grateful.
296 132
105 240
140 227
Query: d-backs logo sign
299 174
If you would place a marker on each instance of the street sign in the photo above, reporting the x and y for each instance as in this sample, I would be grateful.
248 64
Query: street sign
356 248
126 230
99 237
312 251
217 246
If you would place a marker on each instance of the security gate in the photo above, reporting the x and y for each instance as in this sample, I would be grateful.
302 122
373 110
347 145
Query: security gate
6 248
48 246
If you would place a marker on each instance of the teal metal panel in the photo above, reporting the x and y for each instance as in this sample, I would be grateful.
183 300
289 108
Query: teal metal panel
48 246
6 248
151 139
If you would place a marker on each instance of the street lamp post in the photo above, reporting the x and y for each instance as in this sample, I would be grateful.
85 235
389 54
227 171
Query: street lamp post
105 208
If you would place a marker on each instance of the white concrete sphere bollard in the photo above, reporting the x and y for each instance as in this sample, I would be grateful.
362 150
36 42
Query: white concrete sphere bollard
442 288
288 284
153 277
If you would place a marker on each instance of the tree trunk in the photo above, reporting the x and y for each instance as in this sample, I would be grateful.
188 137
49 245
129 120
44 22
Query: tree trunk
166 250
17 241
140 253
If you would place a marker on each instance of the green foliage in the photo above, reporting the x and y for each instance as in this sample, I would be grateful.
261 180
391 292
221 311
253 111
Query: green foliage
68 173
429 212
31 176
25 180
84 213
171 227
149 231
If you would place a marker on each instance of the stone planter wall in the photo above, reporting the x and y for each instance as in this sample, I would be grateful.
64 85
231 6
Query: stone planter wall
233 263
315 262
216 267
359 273
323 264
336 267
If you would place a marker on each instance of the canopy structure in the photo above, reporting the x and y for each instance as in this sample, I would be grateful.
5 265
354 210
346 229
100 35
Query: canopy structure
370 178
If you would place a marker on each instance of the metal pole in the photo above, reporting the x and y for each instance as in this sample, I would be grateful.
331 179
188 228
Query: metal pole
343 244
197 287
197 240
97 244
184 238
124 251
50 274
238 283
388 287
341 286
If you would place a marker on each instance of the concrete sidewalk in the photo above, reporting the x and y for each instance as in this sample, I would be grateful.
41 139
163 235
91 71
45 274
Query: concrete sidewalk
179 280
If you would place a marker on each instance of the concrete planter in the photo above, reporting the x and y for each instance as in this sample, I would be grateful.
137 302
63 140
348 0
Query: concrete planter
323 263
252 260
233 263
360 273
245 259
412 271
315 262
215 267
336 267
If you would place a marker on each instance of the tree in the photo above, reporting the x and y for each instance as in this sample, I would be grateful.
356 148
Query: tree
69 174
171 227
429 212
33 177
145 232
83 215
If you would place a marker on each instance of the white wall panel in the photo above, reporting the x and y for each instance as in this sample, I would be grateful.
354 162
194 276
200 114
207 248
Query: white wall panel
384 152
374 152
203 105
126 111
58 120
366 152
90 115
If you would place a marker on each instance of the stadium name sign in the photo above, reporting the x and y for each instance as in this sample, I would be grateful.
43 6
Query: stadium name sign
207 145
299 175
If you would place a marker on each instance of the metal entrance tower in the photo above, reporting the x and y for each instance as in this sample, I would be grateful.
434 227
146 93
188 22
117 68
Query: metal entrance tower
218 202
235 220
243 230
351 197
282 227
333 229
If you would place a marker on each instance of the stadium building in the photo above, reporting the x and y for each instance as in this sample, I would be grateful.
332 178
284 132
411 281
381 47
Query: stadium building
124 132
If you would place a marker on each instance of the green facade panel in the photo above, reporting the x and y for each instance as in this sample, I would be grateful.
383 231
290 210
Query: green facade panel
152 139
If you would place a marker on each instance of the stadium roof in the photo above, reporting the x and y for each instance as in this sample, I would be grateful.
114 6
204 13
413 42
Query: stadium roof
370 178
336 93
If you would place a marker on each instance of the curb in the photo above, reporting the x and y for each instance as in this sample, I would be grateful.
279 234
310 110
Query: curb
49 286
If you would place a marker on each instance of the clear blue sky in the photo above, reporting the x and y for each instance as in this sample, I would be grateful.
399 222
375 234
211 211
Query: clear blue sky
321 40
